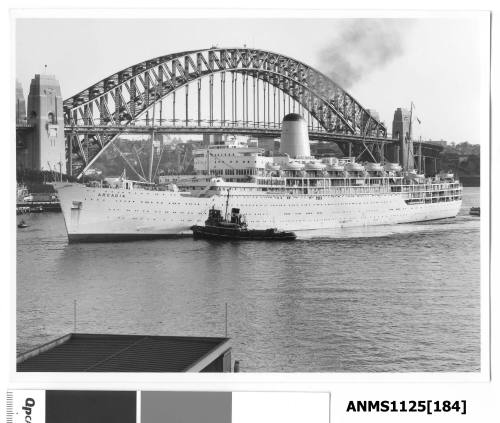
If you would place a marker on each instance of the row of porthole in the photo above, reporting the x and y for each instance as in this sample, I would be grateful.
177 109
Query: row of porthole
150 202
294 205
368 216
152 211
152 219
308 196
241 206
277 205
308 205
367 212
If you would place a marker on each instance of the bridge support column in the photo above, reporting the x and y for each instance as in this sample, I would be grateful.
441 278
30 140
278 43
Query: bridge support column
199 102
264 98
161 113
187 104
274 106
245 100
268 104
254 102
211 95
223 98
173 107
279 108
69 156
257 120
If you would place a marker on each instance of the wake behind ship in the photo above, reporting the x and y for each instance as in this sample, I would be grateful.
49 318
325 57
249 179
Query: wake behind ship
292 191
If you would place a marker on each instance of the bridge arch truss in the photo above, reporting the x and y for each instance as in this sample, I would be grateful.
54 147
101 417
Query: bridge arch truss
248 90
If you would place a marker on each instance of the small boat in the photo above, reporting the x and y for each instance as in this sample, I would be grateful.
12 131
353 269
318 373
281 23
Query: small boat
475 211
236 228
22 224
38 209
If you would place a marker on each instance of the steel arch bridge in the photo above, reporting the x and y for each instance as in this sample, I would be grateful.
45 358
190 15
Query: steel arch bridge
249 92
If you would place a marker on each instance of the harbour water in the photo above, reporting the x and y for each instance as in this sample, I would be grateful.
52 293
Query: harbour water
398 298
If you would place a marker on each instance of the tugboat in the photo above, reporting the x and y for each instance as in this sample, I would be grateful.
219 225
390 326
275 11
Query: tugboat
236 228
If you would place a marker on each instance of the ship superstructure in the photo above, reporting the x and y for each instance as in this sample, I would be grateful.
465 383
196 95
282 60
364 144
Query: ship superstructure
290 191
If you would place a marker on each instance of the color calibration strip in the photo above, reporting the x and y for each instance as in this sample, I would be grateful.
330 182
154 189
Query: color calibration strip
40 406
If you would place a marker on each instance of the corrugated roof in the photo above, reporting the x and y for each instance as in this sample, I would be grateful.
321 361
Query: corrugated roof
118 353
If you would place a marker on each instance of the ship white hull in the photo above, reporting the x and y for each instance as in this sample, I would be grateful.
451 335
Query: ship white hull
104 214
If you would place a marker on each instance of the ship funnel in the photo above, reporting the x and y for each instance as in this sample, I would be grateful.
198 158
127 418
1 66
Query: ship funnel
294 136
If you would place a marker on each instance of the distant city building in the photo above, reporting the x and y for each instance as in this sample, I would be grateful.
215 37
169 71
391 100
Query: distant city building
20 105
270 145
212 139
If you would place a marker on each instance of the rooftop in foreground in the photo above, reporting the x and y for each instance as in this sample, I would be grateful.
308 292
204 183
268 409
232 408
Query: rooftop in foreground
78 352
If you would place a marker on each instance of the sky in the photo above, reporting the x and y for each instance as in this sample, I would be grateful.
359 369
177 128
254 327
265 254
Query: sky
383 63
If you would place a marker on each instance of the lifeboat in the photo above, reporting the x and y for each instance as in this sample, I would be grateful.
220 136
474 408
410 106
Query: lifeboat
317 166
414 176
335 168
172 187
374 167
330 160
354 167
392 167
294 166
273 167
216 180
446 175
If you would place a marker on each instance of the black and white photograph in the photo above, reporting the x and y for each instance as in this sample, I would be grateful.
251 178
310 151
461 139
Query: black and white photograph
249 194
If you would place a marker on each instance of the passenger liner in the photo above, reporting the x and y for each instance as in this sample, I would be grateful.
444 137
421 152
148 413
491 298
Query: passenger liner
290 191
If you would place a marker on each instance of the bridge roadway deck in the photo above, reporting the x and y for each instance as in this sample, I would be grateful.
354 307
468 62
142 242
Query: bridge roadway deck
235 130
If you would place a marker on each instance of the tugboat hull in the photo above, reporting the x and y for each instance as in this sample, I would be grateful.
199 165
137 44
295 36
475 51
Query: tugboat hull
218 232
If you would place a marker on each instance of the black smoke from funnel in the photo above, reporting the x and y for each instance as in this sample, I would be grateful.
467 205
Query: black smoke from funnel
362 46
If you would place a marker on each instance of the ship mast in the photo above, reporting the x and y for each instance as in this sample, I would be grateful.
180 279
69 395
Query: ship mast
150 170
419 141
208 161
151 157
420 156
227 202
409 143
